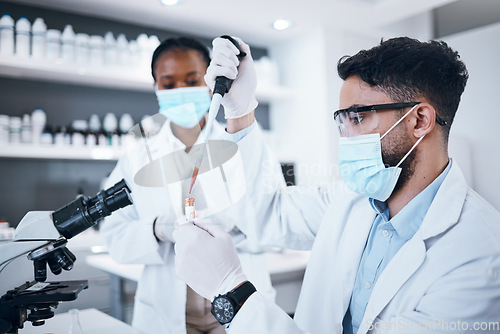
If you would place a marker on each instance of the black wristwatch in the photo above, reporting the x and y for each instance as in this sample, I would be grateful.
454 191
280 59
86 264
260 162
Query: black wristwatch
224 307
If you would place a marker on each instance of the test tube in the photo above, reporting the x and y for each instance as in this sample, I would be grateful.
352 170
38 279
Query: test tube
189 209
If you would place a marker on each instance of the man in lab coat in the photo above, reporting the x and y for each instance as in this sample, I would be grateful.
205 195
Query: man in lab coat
408 248
142 233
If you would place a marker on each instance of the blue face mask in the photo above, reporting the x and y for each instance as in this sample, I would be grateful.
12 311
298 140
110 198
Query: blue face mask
362 168
185 106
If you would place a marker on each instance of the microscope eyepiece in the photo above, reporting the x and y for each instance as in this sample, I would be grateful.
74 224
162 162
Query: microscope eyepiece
85 212
103 194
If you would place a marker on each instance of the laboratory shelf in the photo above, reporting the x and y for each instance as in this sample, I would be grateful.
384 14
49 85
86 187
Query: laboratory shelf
102 76
60 152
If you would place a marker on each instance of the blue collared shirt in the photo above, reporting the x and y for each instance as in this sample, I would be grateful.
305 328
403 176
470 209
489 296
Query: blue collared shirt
386 237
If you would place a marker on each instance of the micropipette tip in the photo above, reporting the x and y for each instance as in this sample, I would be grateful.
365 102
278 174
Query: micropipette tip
193 178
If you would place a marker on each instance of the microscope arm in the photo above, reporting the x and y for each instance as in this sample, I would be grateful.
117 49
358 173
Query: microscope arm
35 230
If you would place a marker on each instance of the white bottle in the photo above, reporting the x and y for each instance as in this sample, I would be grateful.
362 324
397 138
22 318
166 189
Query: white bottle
126 123
96 56
61 137
26 134
4 129
154 41
80 128
110 123
94 123
15 129
82 49
110 53
53 46
144 52
23 38
38 120
110 126
38 37
134 55
6 35
68 45
122 50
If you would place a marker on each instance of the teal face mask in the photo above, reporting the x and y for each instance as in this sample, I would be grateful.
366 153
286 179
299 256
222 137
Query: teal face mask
362 168
185 106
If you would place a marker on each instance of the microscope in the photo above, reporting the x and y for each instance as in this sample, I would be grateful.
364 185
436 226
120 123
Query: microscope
44 235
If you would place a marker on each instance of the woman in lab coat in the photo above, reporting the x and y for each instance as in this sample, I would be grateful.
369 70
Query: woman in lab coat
141 234
443 276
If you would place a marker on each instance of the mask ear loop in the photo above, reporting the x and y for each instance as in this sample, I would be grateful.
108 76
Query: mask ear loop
414 145
412 148
399 121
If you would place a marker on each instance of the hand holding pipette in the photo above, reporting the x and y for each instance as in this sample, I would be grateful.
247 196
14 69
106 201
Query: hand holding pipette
229 66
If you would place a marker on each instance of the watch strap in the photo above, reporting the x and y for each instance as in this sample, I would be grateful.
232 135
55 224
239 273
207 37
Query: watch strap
241 293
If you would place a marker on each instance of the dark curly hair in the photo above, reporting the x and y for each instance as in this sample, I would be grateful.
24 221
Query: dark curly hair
406 69
179 44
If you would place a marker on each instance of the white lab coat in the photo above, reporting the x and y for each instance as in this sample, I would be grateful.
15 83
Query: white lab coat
447 274
160 299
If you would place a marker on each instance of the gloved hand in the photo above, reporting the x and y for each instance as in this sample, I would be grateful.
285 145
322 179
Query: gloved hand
240 100
206 259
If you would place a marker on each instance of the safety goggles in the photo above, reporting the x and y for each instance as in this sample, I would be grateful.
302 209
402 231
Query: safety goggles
356 121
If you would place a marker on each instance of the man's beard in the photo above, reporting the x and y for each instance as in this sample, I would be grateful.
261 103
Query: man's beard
395 146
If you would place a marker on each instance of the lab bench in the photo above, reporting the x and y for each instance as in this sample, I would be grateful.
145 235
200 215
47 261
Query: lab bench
286 269
92 321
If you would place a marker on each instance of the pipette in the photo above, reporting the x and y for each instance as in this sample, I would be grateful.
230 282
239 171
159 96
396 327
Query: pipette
222 85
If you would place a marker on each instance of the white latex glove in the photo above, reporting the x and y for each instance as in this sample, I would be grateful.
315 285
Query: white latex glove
240 100
206 259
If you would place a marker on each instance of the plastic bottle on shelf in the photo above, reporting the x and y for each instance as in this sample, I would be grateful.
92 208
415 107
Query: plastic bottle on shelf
134 55
94 123
6 35
124 126
23 38
38 38
26 132
53 46
94 130
144 50
79 129
82 48
122 51
102 140
47 136
61 136
96 50
110 53
110 126
38 120
91 138
126 123
154 41
15 129
4 129
68 45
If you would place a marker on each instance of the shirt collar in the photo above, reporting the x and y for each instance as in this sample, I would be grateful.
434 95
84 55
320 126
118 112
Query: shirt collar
408 220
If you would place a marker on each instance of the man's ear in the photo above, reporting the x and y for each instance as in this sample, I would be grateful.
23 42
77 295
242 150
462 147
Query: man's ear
425 115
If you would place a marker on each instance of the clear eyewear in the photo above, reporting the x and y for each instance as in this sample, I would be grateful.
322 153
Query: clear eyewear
355 121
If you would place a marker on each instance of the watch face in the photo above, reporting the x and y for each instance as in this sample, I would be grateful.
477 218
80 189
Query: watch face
223 309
